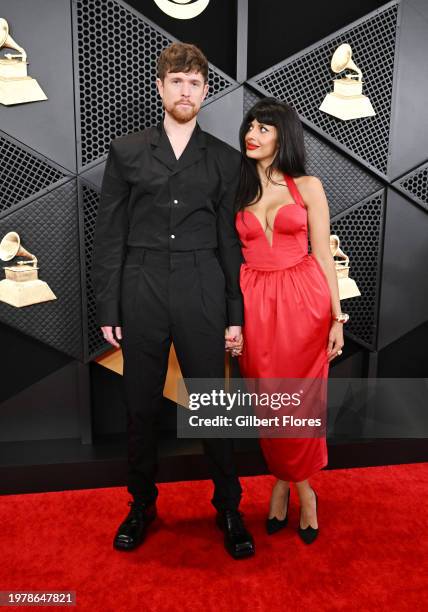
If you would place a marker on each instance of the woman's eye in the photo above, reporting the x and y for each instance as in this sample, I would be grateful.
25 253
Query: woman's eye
263 129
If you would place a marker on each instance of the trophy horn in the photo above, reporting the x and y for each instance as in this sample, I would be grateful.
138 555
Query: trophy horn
334 244
11 247
342 59
6 39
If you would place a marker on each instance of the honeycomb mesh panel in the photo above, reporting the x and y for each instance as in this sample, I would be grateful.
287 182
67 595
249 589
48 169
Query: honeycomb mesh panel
416 184
90 208
48 227
360 231
22 174
117 61
306 79
345 182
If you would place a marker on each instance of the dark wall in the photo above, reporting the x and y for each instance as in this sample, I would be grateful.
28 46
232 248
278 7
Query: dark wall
214 30
277 30
25 360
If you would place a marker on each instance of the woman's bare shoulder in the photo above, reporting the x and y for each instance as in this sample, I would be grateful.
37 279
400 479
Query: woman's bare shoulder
309 183
311 190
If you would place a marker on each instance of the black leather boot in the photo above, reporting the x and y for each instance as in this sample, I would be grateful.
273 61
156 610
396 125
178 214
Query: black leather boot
132 531
237 539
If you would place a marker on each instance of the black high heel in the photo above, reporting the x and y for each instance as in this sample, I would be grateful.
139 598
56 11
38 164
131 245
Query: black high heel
273 524
309 534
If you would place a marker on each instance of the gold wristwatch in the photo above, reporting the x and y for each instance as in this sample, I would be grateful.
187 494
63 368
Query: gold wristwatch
342 317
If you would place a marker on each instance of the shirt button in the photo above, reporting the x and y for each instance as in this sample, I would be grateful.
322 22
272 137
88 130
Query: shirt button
175 201
172 236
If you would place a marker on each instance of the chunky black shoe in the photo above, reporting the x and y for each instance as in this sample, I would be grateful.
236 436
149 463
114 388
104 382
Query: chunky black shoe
237 539
274 524
132 531
309 534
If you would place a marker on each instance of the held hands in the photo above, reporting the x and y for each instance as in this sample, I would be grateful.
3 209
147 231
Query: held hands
107 332
234 340
335 340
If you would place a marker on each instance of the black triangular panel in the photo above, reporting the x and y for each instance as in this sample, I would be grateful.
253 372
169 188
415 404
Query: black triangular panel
48 227
94 342
306 78
360 232
23 173
415 185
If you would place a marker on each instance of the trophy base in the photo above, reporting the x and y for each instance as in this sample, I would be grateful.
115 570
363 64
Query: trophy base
21 274
20 91
347 107
347 288
25 293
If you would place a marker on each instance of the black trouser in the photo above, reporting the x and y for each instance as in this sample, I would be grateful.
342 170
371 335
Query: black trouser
178 297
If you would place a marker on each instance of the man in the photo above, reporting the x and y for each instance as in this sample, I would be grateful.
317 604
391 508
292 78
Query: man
166 268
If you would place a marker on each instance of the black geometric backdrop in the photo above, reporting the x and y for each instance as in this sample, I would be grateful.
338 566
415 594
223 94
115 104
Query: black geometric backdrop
302 79
113 64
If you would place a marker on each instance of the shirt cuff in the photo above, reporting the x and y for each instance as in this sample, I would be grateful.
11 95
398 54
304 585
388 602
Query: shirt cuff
235 311
108 314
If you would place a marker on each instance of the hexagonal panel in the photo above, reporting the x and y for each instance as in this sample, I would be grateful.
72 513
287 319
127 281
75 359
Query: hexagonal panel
415 184
360 232
116 58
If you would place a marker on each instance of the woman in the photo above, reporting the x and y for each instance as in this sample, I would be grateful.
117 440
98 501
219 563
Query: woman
293 323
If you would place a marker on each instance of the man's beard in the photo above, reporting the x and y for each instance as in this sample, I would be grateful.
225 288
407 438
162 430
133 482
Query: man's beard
182 114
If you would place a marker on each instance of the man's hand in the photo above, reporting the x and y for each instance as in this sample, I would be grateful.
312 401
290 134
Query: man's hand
107 332
234 340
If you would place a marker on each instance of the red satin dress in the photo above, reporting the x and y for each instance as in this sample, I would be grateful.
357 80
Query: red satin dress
287 308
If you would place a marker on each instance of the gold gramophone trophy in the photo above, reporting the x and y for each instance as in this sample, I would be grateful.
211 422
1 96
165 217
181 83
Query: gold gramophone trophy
21 287
347 287
347 100
16 87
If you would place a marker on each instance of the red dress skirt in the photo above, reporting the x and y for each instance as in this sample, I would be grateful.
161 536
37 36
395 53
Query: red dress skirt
287 307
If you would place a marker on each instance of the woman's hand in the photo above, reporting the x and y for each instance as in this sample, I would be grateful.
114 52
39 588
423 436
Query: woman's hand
234 340
335 340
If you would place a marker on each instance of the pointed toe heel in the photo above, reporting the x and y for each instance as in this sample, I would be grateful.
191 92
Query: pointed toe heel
273 525
309 534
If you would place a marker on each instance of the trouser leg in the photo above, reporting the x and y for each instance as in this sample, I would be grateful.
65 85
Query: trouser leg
198 323
145 347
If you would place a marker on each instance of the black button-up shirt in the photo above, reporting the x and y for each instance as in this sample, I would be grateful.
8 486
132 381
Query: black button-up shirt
150 199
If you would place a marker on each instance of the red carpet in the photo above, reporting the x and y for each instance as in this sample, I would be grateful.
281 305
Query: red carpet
370 555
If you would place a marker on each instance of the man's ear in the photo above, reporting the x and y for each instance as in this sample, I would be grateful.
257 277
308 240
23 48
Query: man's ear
206 88
159 85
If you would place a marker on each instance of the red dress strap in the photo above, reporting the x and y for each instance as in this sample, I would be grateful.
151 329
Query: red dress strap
292 187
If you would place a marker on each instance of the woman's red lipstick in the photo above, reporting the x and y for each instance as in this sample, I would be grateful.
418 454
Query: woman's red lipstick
251 147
